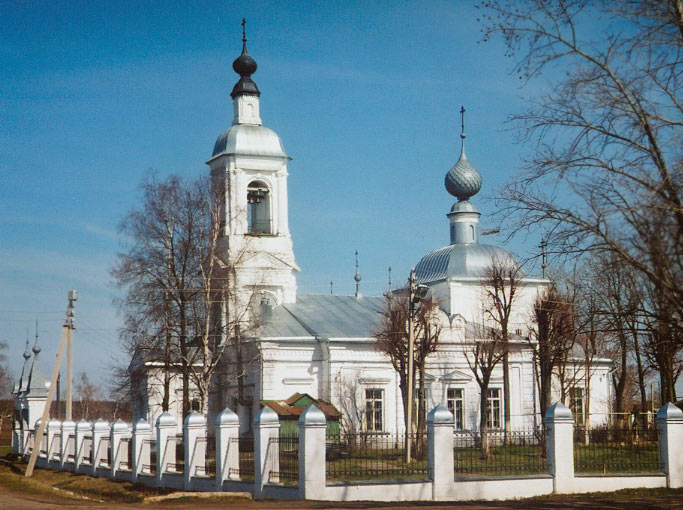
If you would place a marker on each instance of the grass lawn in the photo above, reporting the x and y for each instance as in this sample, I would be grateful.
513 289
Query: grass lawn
502 461
359 464
64 485
616 458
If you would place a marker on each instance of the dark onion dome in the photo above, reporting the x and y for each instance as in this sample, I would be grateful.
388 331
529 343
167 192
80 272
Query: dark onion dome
463 181
245 66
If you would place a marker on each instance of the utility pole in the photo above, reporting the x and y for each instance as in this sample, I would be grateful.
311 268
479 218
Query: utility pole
69 324
38 436
411 369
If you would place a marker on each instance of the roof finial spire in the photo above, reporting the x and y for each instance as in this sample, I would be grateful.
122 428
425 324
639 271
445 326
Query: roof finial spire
357 278
27 352
462 122
36 347
331 287
543 246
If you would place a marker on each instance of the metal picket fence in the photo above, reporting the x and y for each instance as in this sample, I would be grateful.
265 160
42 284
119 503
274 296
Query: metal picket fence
616 450
500 454
368 456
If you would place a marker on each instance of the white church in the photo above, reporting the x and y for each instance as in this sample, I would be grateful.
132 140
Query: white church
324 345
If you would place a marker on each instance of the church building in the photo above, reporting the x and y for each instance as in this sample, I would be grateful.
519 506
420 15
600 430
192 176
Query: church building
325 346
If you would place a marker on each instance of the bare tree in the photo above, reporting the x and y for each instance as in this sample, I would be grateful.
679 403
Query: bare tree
500 285
392 339
486 352
351 404
607 172
180 301
88 394
553 339
5 387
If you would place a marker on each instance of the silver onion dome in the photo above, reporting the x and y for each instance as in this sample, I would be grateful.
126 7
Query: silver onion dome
463 181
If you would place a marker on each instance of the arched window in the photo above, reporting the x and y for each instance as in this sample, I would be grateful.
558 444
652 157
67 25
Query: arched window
472 233
258 209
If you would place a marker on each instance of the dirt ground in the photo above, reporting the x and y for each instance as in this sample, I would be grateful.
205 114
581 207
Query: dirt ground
640 500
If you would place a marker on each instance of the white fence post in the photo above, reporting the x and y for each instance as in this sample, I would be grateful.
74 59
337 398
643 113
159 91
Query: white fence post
670 423
119 451
38 442
440 425
312 476
266 453
100 429
142 432
227 450
194 442
559 425
166 427
82 429
52 428
67 443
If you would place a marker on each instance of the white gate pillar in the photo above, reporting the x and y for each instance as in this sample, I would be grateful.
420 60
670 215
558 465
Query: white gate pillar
670 423
119 451
142 432
100 430
166 427
266 453
312 476
559 426
82 428
68 438
440 452
52 428
194 442
227 450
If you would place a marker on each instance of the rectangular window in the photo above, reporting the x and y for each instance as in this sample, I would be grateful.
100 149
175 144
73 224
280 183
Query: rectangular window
454 401
493 408
374 409
576 405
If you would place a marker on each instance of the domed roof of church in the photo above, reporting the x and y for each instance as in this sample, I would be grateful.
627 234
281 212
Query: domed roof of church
463 181
249 140
460 260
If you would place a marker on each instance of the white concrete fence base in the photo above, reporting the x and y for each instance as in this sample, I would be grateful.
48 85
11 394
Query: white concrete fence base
101 449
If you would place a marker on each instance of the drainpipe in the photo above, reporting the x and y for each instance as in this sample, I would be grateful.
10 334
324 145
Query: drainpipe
325 390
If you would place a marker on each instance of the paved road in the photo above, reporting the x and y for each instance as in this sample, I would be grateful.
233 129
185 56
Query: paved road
665 501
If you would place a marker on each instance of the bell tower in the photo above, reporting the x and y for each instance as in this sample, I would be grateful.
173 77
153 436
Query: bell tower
249 174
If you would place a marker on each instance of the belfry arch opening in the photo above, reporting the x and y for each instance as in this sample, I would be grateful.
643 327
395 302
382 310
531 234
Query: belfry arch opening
259 220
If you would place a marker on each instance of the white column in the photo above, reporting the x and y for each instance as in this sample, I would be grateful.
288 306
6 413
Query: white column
119 451
100 430
266 454
312 476
670 423
227 449
166 427
440 452
53 427
194 442
66 446
142 432
559 426
38 442
82 429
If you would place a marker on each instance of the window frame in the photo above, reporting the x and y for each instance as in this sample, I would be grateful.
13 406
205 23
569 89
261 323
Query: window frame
371 415
579 417
264 206
498 409
458 414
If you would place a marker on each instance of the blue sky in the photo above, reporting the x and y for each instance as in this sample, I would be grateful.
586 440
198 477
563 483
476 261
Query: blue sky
365 97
